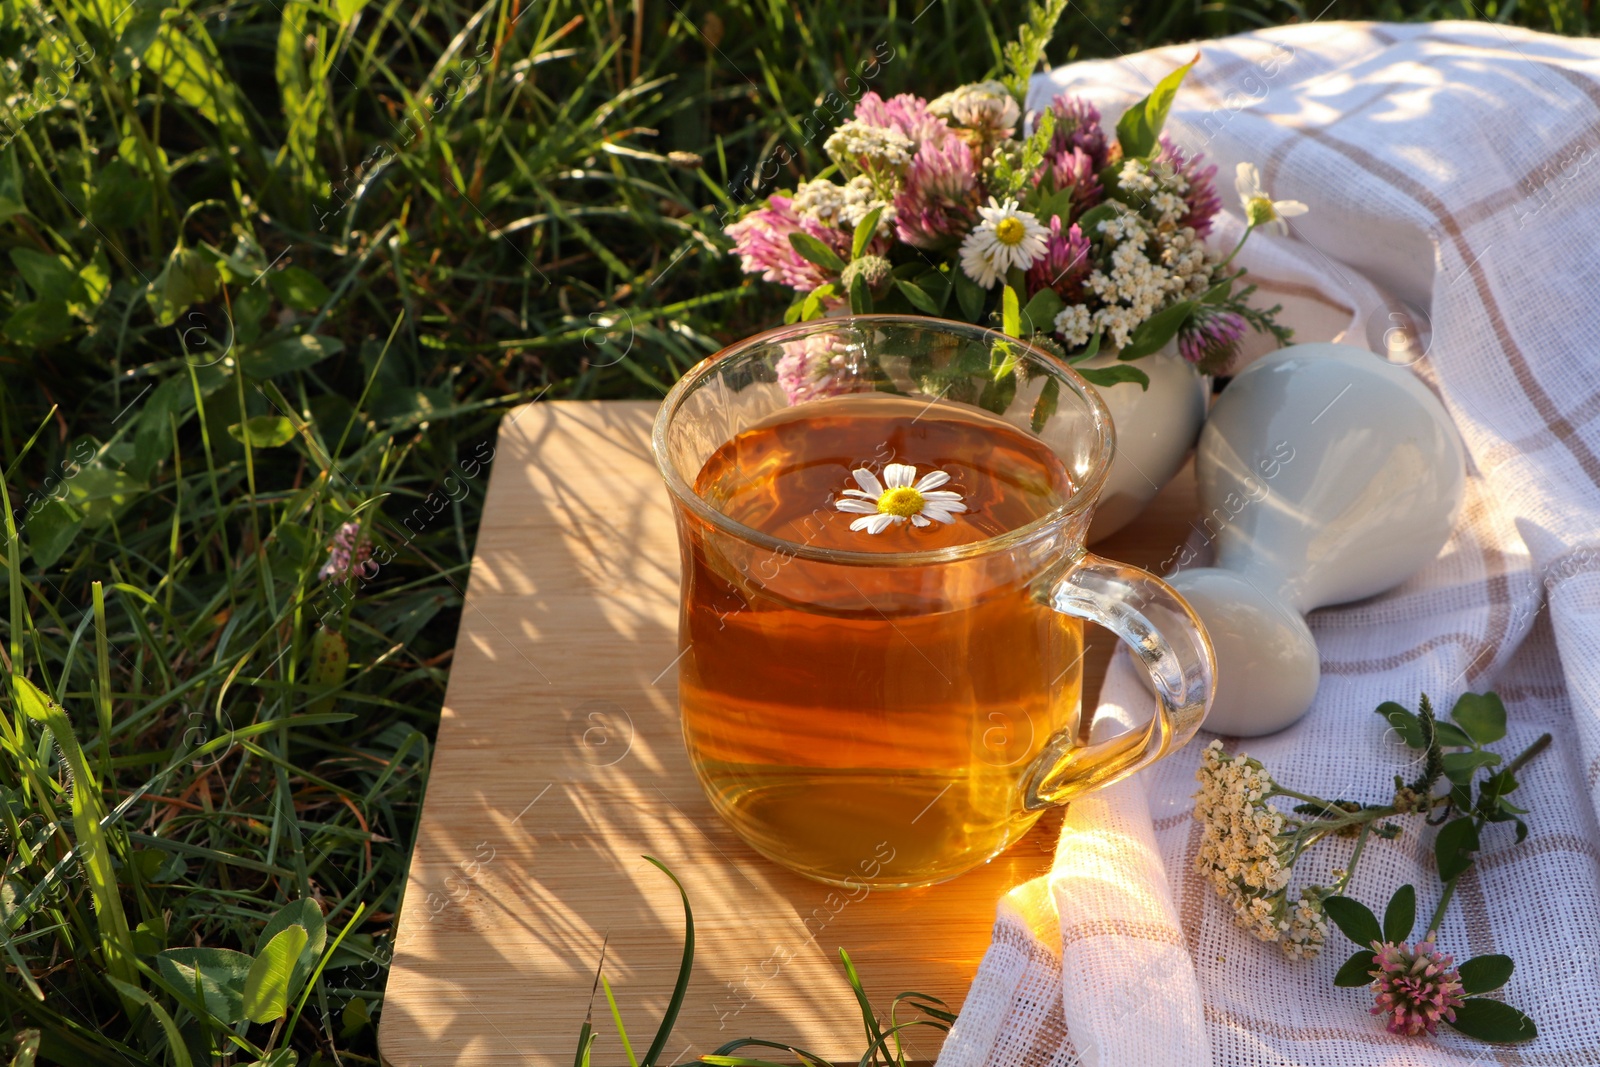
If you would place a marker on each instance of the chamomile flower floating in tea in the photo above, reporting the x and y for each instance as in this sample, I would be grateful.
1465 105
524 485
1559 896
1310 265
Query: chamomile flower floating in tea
904 497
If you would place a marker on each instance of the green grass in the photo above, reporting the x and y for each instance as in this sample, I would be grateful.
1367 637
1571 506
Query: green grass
276 266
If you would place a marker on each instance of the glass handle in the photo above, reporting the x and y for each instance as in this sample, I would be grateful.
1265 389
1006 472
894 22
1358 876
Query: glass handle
1167 638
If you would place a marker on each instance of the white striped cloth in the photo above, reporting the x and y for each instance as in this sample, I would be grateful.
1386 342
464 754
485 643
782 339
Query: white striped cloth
1455 220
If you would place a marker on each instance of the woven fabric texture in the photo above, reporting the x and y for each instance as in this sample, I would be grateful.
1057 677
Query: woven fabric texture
1455 213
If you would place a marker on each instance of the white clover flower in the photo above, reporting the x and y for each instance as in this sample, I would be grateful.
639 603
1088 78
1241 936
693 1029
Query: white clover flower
855 146
904 497
985 106
1007 237
1259 208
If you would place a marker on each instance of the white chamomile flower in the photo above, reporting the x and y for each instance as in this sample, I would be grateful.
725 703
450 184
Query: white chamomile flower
1007 237
904 497
1259 208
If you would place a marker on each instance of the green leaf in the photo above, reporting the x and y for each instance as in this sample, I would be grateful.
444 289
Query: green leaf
284 1057
50 277
39 324
812 307
796 308
669 1018
860 299
121 192
970 296
330 659
1010 313
356 1017
1451 736
266 990
1460 765
812 249
298 288
1091 219
92 846
1356 971
1151 334
938 285
1482 716
187 278
1057 205
100 493
864 231
1404 722
186 62
1090 350
1485 974
1045 406
1492 1020
93 283
918 296
219 972
1355 919
1139 129
1454 846
1499 784
1108 376
1400 915
263 431
289 354
1039 316
27 1048
169 1029
998 392
51 532
306 913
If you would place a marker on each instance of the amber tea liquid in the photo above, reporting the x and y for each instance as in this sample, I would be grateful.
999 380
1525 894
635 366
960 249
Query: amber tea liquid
872 724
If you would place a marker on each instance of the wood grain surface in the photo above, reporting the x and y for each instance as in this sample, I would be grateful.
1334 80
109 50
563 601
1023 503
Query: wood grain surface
560 764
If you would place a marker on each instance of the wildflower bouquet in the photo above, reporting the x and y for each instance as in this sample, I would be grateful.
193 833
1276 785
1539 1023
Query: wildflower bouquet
964 207
1248 849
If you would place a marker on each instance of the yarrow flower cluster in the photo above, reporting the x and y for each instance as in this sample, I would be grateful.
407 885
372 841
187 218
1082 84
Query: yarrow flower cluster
969 195
1249 848
1248 857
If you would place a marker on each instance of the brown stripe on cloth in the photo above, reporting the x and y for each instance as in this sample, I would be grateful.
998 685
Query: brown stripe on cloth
1304 292
1531 387
1379 1038
1159 933
1480 937
1539 440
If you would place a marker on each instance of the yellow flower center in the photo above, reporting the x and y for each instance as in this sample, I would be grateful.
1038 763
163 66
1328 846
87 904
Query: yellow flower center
1260 210
1010 230
904 502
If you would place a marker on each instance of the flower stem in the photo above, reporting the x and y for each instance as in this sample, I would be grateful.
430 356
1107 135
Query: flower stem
1444 902
1528 753
1521 760
1247 231
1355 857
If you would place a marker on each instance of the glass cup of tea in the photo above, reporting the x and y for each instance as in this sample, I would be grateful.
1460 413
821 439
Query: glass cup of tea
881 521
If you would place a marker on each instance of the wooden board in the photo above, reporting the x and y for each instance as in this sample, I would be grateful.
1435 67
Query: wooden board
559 764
